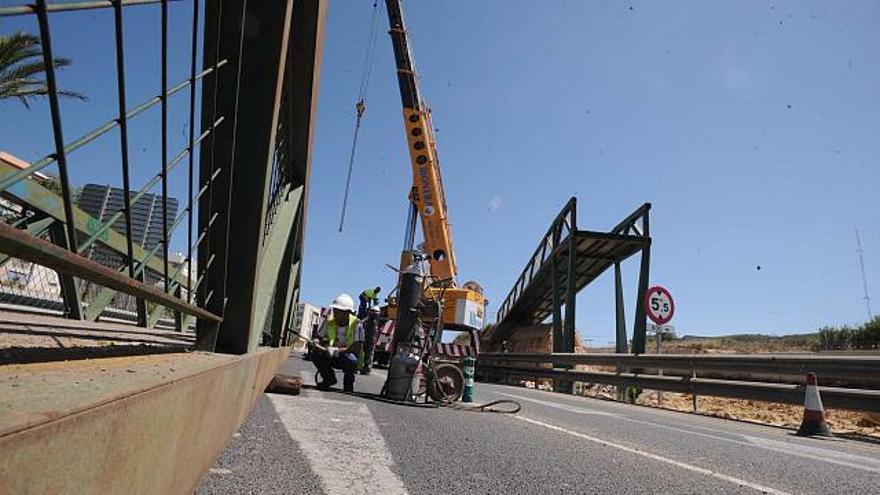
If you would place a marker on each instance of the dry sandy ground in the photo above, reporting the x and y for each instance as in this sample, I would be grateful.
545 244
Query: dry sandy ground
842 422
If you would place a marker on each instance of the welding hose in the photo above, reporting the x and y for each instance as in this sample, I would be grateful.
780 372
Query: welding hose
489 407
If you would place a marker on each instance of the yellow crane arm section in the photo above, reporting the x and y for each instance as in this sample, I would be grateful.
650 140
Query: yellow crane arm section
428 195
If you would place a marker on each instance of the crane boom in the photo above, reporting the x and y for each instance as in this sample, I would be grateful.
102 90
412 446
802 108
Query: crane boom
463 307
427 192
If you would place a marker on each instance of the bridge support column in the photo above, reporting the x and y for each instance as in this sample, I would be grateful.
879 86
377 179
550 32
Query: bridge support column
641 321
571 283
620 341
564 329
269 85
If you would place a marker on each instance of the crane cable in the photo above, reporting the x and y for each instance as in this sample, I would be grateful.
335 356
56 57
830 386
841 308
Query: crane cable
360 106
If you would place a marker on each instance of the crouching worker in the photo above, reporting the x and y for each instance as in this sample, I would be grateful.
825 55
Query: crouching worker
337 344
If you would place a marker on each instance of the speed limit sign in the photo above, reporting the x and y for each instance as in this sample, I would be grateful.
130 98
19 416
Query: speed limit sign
659 305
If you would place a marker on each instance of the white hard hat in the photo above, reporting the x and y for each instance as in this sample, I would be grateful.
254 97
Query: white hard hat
374 309
344 302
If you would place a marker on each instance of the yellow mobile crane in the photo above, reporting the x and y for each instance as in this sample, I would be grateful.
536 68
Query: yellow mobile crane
463 306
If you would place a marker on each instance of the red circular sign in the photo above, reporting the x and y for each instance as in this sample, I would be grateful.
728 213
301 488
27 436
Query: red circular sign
659 305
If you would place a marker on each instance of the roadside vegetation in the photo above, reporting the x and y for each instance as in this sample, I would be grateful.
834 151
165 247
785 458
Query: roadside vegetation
863 337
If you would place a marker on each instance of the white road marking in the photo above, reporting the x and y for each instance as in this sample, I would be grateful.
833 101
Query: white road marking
818 453
308 377
574 409
790 448
342 443
220 471
673 462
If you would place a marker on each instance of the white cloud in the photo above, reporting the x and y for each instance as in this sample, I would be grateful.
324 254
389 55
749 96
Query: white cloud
495 203
736 75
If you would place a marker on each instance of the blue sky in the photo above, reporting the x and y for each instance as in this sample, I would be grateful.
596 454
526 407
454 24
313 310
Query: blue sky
751 126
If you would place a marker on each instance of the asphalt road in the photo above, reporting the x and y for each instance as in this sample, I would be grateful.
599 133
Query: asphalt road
330 442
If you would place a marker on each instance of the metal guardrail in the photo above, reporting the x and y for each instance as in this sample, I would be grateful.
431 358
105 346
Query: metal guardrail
855 368
826 367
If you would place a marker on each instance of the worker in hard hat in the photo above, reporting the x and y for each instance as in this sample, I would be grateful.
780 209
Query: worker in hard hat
371 330
337 344
367 298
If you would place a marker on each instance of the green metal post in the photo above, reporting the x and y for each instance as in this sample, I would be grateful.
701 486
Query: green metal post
641 321
178 316
620 341
570 286
140 304
69 290
558 343
469 364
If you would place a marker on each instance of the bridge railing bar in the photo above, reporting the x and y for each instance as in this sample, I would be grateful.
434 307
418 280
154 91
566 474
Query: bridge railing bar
123 142
25 246
52 8
57 133
169 166
192 125
629 223
136 283
163 170
564 219
141 265
252 176
87 138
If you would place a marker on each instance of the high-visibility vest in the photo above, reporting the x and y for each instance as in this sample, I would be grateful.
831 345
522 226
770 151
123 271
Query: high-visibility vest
349 332
369 293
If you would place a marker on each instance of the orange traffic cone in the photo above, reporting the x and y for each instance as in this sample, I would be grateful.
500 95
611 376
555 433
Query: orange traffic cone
813 423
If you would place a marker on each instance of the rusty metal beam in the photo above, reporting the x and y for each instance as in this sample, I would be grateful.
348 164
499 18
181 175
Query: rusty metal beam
145 424
37 228
27 247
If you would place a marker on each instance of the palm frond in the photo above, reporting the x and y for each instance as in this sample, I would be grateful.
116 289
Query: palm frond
21 71
31 88
28 87
72 94
15 45
21 66
21 56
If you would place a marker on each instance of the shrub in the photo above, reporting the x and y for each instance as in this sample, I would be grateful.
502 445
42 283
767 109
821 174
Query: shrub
865 336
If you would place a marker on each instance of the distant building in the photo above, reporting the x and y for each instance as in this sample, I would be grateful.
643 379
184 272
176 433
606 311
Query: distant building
22 282
102 202
306 321
27 284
